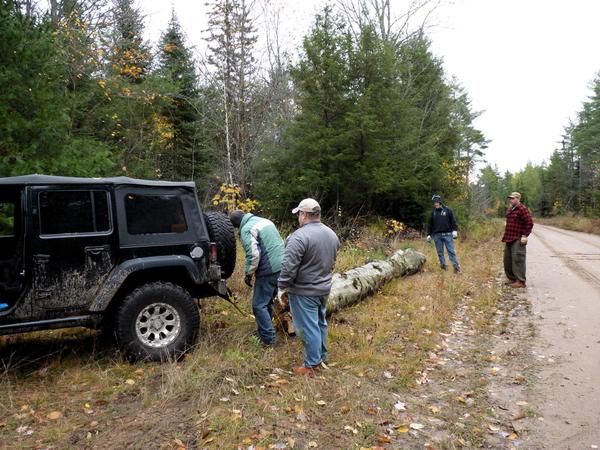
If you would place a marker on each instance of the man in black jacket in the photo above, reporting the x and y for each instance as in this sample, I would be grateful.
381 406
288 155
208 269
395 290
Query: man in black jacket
442 226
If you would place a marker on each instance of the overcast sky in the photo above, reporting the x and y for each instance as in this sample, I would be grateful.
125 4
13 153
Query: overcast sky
527 64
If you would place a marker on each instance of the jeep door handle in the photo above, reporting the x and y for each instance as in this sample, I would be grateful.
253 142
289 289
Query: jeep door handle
95 251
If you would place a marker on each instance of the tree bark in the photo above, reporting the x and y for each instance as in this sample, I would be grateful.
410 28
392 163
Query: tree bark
357 284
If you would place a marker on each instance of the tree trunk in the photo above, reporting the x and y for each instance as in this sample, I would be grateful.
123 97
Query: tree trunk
357 284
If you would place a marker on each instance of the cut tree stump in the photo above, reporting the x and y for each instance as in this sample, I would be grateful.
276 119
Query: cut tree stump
356 284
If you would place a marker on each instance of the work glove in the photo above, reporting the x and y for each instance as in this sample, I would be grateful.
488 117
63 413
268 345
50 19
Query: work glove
428 238
454 234
248 280
281 296
523 240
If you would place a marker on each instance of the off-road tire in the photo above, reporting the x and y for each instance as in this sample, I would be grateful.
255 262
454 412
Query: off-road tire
149 297
221 231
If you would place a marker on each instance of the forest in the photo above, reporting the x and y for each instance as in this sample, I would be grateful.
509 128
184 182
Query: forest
362 117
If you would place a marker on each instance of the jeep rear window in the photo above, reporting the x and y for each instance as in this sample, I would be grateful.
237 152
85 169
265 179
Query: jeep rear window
74 212
7 218
154 214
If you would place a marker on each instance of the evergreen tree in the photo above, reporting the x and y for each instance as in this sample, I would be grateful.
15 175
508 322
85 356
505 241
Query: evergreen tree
36 108
129 54
185 157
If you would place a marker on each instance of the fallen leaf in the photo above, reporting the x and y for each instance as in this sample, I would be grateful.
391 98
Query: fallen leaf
519 415
383 439
403 428
350 429
224 399
291 442
493 427
434 409
54 415
282 382
179 442
130 381
400 406
312 444
416 426
388 375
247 441
512 436
321 402
522 403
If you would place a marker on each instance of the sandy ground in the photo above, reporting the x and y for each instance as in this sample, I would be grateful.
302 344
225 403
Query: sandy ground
564 288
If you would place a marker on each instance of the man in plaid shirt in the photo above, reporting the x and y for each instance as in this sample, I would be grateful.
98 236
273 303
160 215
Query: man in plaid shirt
518 227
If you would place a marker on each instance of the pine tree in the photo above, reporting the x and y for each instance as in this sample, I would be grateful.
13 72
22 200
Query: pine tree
185 157
129 54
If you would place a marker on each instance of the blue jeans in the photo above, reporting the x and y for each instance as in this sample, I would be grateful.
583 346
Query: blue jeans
308 314
265 290
440 240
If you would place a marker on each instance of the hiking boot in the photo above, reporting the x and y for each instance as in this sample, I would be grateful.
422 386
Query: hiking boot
308 371
456 269
444 268
509 282
518 285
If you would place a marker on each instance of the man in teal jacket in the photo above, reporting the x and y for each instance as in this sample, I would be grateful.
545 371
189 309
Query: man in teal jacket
264 249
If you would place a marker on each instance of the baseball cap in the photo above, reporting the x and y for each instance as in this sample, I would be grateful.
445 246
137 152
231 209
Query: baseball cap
309 205
514 195
436 198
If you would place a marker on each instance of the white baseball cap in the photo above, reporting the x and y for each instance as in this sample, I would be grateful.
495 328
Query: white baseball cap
309 205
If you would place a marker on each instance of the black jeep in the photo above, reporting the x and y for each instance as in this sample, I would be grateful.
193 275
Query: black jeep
116 253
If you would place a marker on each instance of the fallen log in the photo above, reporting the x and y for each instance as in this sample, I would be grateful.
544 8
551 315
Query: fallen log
356 284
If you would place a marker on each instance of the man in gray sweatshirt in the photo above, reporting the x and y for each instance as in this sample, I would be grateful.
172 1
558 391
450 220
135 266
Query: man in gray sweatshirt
306 276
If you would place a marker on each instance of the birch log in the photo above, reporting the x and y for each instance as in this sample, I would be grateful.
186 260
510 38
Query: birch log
356 284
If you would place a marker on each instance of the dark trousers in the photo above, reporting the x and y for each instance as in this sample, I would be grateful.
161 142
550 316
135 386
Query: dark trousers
514 260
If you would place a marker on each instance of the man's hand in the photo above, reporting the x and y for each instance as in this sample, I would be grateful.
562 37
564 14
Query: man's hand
282 296
428 238
248 280
454 234
523 240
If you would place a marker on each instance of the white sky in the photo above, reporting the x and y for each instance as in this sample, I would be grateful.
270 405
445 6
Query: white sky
527 64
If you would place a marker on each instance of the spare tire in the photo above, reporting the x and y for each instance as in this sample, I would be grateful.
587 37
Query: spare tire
220 231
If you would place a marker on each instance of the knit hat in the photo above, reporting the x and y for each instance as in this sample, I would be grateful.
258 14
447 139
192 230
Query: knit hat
236 217
436 199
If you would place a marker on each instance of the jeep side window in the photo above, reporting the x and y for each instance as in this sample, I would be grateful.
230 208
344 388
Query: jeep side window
74 212
154 214
7 218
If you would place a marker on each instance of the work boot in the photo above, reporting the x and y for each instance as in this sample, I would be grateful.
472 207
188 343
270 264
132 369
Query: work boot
517 285
444 268
456 269
309 371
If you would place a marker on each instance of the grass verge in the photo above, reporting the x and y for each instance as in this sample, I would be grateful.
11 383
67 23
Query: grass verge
67 389
574 223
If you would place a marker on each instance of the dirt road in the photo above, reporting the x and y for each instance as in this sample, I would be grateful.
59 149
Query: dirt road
564 286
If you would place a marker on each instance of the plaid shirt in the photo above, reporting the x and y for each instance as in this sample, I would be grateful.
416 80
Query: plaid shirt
518 223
